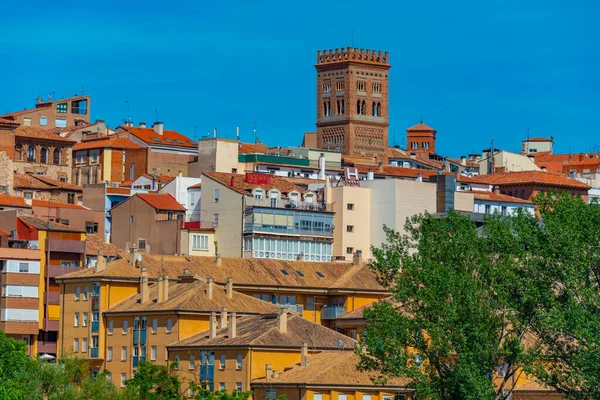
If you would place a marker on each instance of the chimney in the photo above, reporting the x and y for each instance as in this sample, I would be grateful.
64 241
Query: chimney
232 328
370 175
300 257
380 167
282 320
229 288
218 259
142 124
144 293
100 262
496 190
304 361
212 325
357 258
268 372
322 166
209 288
133 254
158 128
163 289
223 320
463 160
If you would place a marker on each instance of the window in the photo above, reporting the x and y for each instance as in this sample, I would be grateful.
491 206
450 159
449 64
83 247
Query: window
153 353
84 345
123 379
62 107
176 362
360 86
85 292
326 87
221 385
132 172
169 215
377 113
341 396
339 85
238 386
132 219
43 121
26 121
60 122
216 195
350 206
77 293
271 394
258 194
110 327
125 326
44 155
94 155
222 360
215 220
75 345
487 208
200 242
376 87
76 319
238 364
85 318
349 228
504 210
154 325
349 250
57 157
169 325
318 396
109 354
31 153
366 397
91 227
71 198
124 353
273 201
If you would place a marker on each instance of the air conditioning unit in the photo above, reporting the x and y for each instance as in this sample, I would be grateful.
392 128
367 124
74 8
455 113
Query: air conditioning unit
114 184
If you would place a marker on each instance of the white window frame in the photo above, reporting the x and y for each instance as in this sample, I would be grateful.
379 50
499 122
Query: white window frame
109 354
123 353
199 242
76 345
153 353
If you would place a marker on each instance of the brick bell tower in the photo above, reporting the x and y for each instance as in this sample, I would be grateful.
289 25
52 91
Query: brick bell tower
352 102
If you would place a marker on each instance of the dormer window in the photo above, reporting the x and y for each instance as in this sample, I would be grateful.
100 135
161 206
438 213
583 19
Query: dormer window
259 194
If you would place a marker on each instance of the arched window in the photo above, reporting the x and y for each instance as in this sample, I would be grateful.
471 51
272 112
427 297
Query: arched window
57 157
363 107
378 109
358 106
342 106
375 109
339 107
325 108
31 153
18 152
44 155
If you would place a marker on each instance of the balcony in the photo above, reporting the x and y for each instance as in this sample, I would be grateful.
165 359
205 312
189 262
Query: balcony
66 246
332 312
20 327
135 361
293 221
294 307
93 352
52 297
52 325
95 326
57 270
46 347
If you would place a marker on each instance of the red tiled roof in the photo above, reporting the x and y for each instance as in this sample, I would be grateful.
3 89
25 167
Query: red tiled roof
41 182
70 129
196 186
491 196
113 143
252 148
538 139
400 172
542 178
59 184
420 127
13 201
32 132
161 201
118 190
168 138
159 178
4 233
8 121
561 163
43 225
241 186
125 184
56 204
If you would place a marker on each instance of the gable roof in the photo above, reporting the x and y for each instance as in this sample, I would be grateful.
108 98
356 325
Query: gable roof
483 195
543 178
238 183
32 132
262 331
538 139
246 272
42 182
420 127
13 201
331 368
95 243
192 297
43 225
108 143
168 138
160 201
56 204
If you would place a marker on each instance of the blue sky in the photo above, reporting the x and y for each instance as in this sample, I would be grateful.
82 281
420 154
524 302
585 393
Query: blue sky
475 70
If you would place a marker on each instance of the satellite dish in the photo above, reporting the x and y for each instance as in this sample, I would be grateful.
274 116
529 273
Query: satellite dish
139 257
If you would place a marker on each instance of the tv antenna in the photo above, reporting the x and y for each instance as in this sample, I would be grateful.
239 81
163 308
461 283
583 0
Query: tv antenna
128 118
156 114
256 141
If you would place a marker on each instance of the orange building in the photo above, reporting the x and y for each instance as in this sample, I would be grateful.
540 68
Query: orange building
420 139
54 113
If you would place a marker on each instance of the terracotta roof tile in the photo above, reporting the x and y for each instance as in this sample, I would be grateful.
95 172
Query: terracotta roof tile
241 186
262 331
13 201
400 172
538 139
196 186
168 138
331 368
56 204
543 178
95 243
161 201
32 132
491 196
118 190
42 224
29 181
108 143
160 178
192 297
246 271
420 127
245 148
8 122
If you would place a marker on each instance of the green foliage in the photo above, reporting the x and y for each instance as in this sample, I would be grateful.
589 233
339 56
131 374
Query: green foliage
205 394
449 323
154 382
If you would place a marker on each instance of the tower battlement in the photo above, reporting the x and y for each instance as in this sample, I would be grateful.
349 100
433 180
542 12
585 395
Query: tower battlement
353 54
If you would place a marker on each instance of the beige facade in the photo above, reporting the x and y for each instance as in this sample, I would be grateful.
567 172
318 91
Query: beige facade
352 220
54 113
505 161
195 242
215 154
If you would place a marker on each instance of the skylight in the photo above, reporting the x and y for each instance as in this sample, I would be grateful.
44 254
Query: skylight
155 139
168 140
178 141
283 271
192 142
300 272
320 274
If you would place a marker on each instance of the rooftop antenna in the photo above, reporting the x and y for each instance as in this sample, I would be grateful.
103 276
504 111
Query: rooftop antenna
156 113
195 137
421 113
81 90
256 141
128 118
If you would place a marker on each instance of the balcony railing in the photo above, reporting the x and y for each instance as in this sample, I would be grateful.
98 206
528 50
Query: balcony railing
294 307
299 230
52 325
52 297
93 352
46 347
95 326
332 312
66 246
57 270
290 204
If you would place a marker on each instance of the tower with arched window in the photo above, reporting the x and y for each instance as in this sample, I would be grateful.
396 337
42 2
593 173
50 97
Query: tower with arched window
420 139
359 79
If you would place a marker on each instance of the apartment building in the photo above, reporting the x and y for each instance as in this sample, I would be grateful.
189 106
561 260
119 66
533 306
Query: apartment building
492 202
40 187
186 190
61 113
101 198
148 222
241 349
263 216
73 215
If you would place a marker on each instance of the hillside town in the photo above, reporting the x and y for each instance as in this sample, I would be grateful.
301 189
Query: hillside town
246 265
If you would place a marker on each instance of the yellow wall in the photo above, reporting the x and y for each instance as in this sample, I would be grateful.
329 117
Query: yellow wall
359 217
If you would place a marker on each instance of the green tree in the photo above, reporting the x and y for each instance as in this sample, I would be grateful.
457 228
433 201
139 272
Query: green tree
154 382
449 324
201 393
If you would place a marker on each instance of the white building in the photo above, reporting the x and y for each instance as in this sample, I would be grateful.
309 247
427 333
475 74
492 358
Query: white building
186 191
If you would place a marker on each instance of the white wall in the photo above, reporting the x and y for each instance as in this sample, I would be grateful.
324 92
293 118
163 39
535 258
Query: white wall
496 207
190 199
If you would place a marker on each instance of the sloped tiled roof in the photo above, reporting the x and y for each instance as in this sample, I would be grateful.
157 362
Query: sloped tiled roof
8 122
29 181
56 204
246 271
331 368
108 143
543 178
196 186
32 132
161 201
420 127
159 178
95 243
491 196
400 172
42 224
192 297
241 186
4 233
168 138
538 139
13 201
119 190
245 148
262 331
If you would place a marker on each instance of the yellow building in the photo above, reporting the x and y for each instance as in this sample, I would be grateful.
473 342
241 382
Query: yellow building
251 347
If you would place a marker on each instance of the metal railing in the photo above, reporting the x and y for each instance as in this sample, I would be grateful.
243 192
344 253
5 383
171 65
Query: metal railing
332 312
